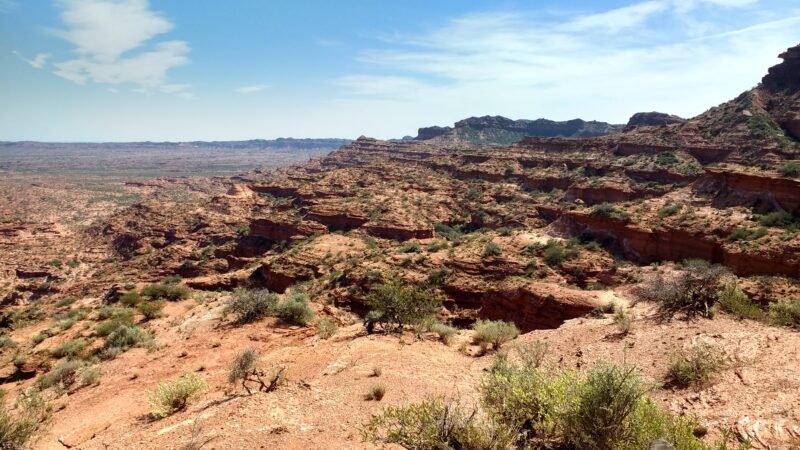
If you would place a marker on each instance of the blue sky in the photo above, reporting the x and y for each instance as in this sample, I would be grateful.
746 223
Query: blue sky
118 70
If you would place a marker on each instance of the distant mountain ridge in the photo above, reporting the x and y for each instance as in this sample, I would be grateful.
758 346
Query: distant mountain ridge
280 143
503 131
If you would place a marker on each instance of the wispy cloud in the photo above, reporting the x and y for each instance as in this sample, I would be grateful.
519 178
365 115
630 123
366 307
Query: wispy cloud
38 61
251 89
110 38
605 64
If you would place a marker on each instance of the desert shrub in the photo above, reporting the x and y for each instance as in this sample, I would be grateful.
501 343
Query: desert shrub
666 159
525 397
151 309
126 337
435 424
295 310
531 354
251 305
171 397
244 369
7 342
436 246
172 279
66 301
18 425
554 253
785 313
376 392
437 276
623 319
171 292
90 376
696 366
114 318
494 333
445 332
669 210
62 376
70 349
411 247
779 218
734 301
791 170
603 412
491 249
746 234
692 291
130 299
326 327
394 305
610 211
243 364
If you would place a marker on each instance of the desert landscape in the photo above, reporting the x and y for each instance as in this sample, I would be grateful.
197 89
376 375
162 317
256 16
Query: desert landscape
496 284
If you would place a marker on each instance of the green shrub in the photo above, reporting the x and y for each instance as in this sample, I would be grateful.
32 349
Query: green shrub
785 313
525 397
151 309
696 366
126 337
435 424
623 319
394 305
494 333
531 354
90 376
18 426
71 349
554 253
62 376
171 292
610 211
376 392
692 291
445 332
171 397
130 299
411 247
115 318
603 414
436 246
295 310
438 276
734 301
491 250
791 170
779 218
746 234
7 342
251 305
666 159
326 327
66 301
669 210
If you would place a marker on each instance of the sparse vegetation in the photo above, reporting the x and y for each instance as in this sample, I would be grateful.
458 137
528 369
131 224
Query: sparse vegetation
623 319
746 234
696 366
669 210
791 170
491 250
394 306
494 333
126 337
71 349
326 327
692 291
251 305
62 376
376 392
172 396
778 218
171 292
18 425
295 310
734 301
151 309
610 211
785 313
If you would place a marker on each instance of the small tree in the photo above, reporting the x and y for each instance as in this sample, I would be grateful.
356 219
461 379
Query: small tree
394 305
245 369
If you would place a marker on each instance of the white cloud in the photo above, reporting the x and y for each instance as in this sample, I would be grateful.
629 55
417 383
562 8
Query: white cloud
251 89
37 62
110 39
537 64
